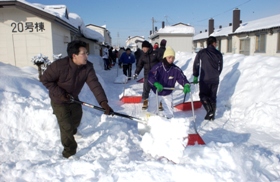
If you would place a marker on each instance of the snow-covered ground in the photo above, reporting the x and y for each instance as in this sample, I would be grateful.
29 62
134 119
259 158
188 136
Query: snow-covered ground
242 144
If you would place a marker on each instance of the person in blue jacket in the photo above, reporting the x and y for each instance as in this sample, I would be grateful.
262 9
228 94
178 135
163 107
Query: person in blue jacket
126 60
166 74
208 65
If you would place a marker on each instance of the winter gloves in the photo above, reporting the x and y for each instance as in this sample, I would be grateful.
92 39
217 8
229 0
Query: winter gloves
66 97
195 79
135 76
187 88
107 108
158 86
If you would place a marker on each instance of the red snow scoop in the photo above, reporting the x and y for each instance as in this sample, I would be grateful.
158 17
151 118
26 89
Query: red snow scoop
186 106
194 139
140 80
130 99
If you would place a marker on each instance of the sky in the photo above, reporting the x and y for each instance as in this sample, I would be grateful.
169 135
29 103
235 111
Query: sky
125 18
242 144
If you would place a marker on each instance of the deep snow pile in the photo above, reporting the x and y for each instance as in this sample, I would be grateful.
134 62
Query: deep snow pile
243 144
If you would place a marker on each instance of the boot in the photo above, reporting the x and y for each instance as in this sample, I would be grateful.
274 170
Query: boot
145 104
213 106
208 108
160 108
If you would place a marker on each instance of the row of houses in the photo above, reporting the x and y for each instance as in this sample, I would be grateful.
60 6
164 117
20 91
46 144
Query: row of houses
27 29
257 37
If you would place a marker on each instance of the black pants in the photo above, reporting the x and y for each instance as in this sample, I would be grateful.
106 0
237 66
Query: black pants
146 88
69 118
208 91
127 68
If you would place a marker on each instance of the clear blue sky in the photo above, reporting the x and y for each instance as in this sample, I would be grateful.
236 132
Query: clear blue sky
125 18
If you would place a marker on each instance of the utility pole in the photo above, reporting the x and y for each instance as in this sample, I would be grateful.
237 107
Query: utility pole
153 25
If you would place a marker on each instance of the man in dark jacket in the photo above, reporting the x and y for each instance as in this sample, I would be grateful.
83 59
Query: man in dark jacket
162 48
147 60
208 65
166 74
64 79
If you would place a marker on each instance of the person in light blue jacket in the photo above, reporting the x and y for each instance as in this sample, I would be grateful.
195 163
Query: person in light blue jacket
126 60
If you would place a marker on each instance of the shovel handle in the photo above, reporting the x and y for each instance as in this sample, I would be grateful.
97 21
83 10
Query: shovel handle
115 113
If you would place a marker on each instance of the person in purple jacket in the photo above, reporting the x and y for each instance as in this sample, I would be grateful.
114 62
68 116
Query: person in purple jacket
165 75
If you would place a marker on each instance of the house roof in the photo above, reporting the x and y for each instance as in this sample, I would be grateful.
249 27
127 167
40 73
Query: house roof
178 28
250 26
58 14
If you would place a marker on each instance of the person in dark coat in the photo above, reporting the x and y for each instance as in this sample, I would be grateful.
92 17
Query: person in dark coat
126 60
65 79
208 65
147 60
166 74
161 49
137 54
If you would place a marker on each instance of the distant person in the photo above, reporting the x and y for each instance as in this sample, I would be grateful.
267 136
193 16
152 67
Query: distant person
147 60
155 46
165 74
208 65
137 54
121 51
105 56
126 60
65 79
161 49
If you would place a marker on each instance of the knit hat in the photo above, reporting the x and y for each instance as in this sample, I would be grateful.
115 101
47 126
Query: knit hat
169 52
163 42
146 44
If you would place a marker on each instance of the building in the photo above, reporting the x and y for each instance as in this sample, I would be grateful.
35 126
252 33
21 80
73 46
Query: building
179 36
27 29
103 31
257 37
134 42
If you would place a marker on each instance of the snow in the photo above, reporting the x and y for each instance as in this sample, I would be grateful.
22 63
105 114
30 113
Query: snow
242 144
177 29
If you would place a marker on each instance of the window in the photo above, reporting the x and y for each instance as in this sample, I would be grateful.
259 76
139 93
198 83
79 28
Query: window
229 44
260 43
278 43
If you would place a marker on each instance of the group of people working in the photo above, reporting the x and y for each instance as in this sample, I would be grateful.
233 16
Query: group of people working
65 78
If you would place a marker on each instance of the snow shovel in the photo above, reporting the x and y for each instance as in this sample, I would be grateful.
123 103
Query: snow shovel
186 106
195 138
139 120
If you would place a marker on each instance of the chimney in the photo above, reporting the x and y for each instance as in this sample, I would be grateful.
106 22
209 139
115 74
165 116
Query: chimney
220 26
211 26
162 24
205 30
200 31
156 29
151 32
236 19
230 24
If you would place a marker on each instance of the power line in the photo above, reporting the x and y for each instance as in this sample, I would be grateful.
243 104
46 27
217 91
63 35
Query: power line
225 11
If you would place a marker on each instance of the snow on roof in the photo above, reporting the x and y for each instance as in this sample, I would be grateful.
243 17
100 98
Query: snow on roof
177 29
259 24
73 19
